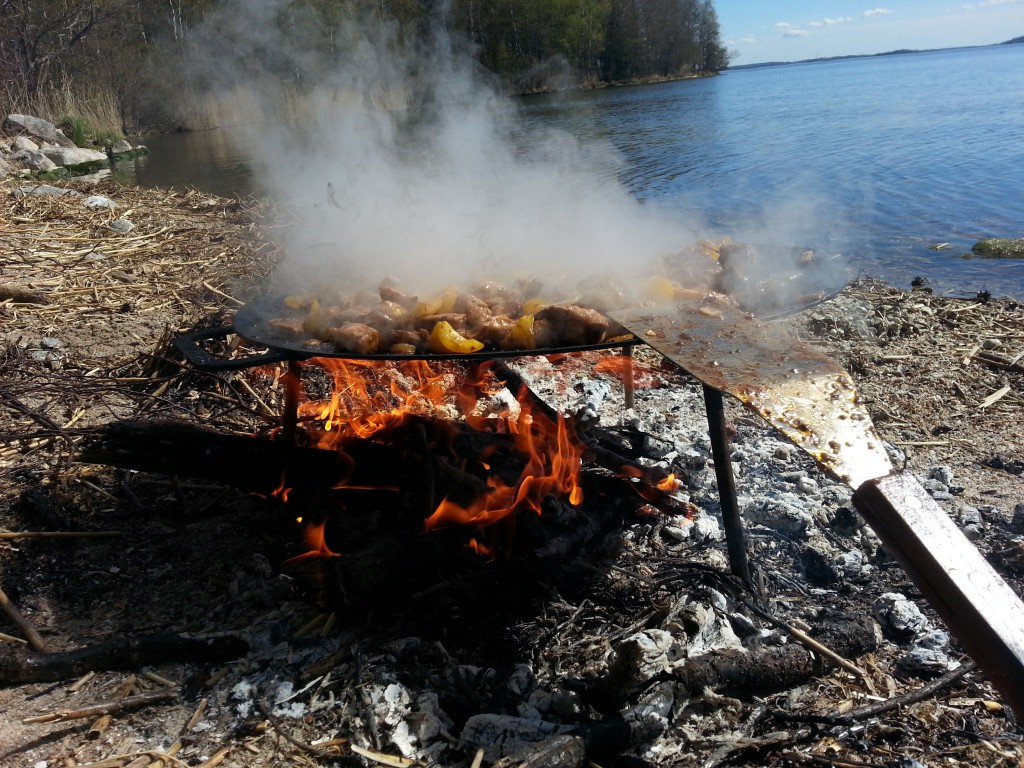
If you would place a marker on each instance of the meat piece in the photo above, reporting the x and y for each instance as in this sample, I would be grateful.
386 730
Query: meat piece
493 332
387 314
288 324
456 319
500 299
416 338
358 338
571 325
478 312
389 292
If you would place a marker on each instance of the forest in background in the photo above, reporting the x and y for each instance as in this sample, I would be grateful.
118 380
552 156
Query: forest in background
115 64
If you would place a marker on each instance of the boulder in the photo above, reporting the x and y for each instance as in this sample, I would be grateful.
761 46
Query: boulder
65 156
5 169
37 127
1000 248
34 161
120 147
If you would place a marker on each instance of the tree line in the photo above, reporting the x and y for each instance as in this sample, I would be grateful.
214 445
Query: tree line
112 59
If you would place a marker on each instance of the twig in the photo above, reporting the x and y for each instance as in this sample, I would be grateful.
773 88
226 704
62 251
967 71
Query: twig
379 757
276 725
210 288
881 707
106 708
31 635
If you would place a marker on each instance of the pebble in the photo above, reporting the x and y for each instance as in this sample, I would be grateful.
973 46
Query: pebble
121 225
971 522
99 201
1017 521
898 615
924 661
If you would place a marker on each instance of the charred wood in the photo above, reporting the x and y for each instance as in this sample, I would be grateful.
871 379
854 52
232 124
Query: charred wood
772 668
122 654
245 462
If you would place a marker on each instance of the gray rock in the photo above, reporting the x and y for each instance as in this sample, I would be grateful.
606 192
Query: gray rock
5 169
971 522
780 515
65 156
24 142
925 661
121 225
1017 521
44 189
120 147
1000 248
99 201
34 161
34 126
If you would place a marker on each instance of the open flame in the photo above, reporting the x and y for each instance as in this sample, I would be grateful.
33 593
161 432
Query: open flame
553 461
371 400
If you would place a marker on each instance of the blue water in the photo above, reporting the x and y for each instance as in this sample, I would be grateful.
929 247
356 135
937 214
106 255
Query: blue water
878 158
875 158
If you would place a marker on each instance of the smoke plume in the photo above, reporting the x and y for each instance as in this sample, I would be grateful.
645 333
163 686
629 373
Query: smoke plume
398 157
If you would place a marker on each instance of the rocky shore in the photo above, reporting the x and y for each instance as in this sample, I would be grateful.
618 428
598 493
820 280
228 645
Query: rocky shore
33 147
491 661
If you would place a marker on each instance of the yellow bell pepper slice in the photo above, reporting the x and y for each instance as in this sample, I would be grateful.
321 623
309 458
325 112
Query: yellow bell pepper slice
444 339
437 305
521 336
533 306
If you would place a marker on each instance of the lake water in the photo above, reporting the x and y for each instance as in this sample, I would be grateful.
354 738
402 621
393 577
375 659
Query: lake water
876 158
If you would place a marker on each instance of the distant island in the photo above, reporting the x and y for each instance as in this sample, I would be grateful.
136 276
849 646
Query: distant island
1014 41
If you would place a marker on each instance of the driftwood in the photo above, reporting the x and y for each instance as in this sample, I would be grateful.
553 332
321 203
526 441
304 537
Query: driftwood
123 653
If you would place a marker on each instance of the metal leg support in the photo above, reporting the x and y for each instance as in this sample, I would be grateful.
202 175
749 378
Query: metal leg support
628 385
734 538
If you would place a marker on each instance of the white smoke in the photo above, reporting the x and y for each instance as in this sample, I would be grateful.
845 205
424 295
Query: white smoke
404 160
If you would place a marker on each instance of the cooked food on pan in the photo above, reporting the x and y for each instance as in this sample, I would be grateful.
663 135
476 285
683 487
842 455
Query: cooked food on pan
493 316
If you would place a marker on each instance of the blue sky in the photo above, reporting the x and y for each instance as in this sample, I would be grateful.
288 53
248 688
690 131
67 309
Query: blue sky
789 30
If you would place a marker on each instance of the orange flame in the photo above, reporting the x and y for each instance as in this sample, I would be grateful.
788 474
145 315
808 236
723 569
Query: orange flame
553 461
316 540
367 398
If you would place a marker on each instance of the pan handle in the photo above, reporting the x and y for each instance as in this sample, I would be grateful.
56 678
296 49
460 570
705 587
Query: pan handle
981 610
188 345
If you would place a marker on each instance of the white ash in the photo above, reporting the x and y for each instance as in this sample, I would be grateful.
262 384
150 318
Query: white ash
899 616
504 735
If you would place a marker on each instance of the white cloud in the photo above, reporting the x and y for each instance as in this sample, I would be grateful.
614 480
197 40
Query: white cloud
877 12
987 4
827 22
789 30
749 39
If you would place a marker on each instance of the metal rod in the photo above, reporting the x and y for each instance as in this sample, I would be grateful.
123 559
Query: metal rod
628 382
734 538
292 381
